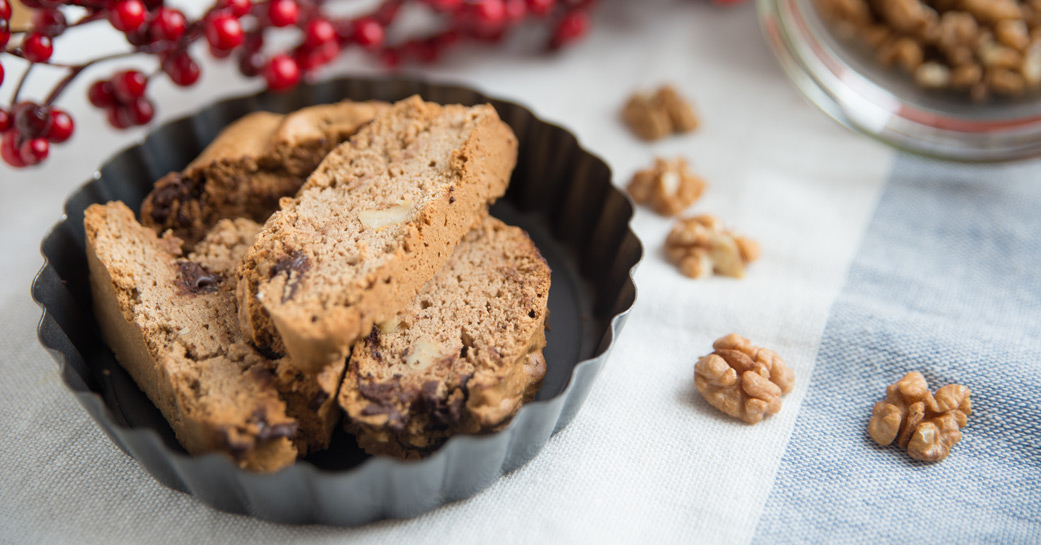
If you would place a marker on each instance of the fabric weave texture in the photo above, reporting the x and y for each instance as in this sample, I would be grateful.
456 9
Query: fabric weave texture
947 282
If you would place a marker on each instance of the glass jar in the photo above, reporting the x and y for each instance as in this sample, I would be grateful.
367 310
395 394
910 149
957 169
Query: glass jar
885 103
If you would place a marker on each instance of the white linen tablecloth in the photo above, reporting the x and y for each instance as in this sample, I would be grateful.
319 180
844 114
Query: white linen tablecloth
646 460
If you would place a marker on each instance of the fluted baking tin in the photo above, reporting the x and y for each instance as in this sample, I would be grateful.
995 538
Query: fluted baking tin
560 193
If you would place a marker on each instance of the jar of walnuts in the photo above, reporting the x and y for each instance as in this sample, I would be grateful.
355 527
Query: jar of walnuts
956 79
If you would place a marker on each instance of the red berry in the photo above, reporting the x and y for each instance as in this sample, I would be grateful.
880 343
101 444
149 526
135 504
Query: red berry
101 94
1 74
34 150
37 47
61 127
30 119
327 52
281 73
49 21
140 111
489 14
5 10
182 69
5 33
118 117
169 25
516 10
573 25
368 33
540 7
129 85
5 120
127 15
224 32
311 58
319 31
283 12
9 149
238 8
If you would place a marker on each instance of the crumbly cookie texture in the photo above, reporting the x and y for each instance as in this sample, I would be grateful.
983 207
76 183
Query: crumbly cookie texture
925 424
171 321
666 112
975 47
251 164
668 186
700 246
462 358
742 380
375 221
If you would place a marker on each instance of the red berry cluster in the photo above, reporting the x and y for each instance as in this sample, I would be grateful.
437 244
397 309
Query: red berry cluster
28 131
237 28
123 98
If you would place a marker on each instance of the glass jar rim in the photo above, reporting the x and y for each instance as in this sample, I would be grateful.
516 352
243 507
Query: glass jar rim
859 96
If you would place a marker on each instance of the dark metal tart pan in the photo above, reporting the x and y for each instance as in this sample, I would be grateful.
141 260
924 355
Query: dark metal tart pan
560 193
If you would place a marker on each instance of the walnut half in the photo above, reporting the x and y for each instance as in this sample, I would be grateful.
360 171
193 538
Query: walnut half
652 117
925 424
668 187
742 380
700 246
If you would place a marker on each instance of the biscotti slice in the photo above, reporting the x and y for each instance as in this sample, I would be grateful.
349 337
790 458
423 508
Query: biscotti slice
249 166
462 358
373 223
172 324
310 398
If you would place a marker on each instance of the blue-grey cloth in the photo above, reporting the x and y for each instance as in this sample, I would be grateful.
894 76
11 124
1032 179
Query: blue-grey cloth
948 282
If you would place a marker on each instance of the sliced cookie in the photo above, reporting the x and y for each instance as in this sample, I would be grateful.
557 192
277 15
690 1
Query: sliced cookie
373 223
462 358
171 321
249 166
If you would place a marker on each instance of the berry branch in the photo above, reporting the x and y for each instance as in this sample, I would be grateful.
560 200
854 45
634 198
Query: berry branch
237 28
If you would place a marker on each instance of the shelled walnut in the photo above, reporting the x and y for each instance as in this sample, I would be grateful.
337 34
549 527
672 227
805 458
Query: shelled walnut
668 186
652 117
925 424
979 47
700 246
742 380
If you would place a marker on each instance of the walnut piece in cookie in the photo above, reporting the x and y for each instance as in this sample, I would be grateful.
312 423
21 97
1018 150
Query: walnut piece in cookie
742 380
925 424
700 246
652 117
668 186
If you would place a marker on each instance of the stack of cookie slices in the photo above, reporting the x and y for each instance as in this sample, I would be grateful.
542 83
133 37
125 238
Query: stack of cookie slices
336 263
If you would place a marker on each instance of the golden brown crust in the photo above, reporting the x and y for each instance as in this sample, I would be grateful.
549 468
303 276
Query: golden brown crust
462 358
251 164
377 219
172 324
